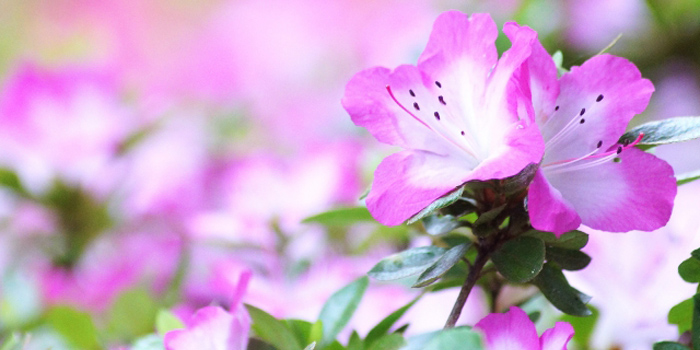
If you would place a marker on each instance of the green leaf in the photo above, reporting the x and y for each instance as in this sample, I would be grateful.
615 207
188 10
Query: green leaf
385 325
521 180
149 342
665 131
133 314
440 203
9 179
568 259
311 346
440 267
453 338
685 178
355 343
340 307
570 240
272 330
75 326
489 216
584 327
695 253
166 321
407 263
391 341
669 345
695 329
554 286
558 58
520 259
341 217
682 315
689 270
437 225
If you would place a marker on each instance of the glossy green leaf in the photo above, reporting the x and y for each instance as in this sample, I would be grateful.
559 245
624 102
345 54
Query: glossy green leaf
407 263
665 131
520 260
568 259
570 240
341 217
133 314
272 330
166 321
689 270
340 307
438 225
669 345
442 265
682 315
685 178
440 203
554 286
391 341
385 325
75 326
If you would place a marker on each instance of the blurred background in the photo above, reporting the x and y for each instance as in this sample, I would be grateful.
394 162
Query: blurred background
151 151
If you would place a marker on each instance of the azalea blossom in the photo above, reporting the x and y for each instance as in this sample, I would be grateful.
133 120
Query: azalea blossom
514 330
586 176
460 114
213 328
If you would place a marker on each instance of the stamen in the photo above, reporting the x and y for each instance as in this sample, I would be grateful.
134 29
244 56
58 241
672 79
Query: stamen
388 88
579 164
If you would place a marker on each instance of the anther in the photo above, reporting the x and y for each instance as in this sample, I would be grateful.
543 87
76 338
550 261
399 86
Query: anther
415 105
600 144
437 115
600 98
583 110
412 93
438 84
442 100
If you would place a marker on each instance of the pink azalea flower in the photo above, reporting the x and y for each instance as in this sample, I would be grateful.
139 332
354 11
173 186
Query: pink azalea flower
213 328
514 330
586 176
461 114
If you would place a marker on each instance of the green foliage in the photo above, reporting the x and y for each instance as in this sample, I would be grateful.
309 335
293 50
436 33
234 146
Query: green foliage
554 286
166 321
407 263
383 327
568 259
689 270
272 330
665 131
521 259
133 314
75 326
10 180
684 178
437 225
442 265
391 341
668 345
583 327
695 329
149 342
341 217
440 203
339 308
570 240
682 315
453 338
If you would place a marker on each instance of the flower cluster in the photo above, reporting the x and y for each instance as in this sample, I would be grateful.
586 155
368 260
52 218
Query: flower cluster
462 114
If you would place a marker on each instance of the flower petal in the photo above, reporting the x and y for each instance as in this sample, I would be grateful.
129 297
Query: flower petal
635 193
508 331
596 102
558 337
210 329
548 210
408 181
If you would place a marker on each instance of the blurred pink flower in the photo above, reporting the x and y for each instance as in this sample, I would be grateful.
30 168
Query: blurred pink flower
461 114
65 124
514 330
593 24
586 176
213 328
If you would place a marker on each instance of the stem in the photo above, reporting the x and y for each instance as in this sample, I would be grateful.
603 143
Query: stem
481 258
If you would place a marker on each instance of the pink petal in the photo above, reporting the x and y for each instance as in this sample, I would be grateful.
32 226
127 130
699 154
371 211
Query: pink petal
508 331
558 337
634 194
209 329
548 210
605 93
408 181
370 105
